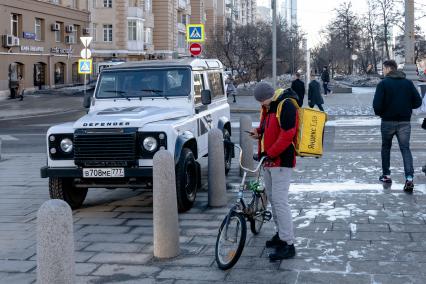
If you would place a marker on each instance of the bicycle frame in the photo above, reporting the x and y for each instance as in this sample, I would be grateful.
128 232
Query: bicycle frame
240 205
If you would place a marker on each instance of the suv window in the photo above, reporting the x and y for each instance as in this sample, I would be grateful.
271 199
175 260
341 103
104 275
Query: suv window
198 87
216 84
144 83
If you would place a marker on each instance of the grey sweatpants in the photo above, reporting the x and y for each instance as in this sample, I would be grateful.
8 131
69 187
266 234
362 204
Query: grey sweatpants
277 184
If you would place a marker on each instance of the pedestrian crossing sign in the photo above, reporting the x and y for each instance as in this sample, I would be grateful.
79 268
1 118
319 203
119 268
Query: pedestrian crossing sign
84 66
195 33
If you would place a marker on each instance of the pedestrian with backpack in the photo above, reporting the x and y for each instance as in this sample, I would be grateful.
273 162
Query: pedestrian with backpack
314 94
394 100
276 137
299 87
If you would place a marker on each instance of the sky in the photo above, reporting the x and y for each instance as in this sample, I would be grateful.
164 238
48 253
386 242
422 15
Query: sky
314 15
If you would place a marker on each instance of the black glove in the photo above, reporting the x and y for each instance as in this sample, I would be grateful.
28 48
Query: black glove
267 158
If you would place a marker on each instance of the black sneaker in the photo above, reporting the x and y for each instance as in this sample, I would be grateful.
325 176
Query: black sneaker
283 251
409 186
385 179
274 242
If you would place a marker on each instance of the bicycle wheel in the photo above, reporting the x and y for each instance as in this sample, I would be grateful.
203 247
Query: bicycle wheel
230 240
258 204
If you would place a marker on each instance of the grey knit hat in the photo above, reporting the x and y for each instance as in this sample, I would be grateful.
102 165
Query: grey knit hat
263 91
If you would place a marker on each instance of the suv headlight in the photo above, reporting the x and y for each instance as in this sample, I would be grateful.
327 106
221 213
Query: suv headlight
150 144
61 146
66 145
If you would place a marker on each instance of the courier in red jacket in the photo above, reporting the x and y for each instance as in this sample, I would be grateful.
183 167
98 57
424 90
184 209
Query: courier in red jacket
277 137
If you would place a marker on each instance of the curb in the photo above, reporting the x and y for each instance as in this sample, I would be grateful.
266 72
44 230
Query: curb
2 118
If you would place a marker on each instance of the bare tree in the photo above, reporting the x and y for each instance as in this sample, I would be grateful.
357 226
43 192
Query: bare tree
387 11
345 28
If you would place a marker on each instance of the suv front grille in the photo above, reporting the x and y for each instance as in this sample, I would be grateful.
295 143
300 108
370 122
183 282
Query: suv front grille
105 147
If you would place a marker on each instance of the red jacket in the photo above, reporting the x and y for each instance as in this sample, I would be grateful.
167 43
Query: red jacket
278 138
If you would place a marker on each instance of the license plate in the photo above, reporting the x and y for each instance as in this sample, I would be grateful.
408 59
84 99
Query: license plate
103 172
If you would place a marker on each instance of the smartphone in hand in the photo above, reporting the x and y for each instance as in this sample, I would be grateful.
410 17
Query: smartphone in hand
249 132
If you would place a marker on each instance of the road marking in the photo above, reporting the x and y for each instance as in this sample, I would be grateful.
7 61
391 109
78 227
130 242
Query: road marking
8 138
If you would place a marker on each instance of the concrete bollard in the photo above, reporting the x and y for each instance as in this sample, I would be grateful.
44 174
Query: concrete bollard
217 182
246 143
166 223
55 243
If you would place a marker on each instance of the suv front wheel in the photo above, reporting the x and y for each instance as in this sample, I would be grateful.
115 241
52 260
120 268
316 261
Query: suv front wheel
62 188
186 180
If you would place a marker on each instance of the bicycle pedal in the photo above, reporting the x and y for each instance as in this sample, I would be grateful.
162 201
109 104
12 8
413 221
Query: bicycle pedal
267 215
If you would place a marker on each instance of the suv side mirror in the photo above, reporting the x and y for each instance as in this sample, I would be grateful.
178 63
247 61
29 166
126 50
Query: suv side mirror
86 101
206 97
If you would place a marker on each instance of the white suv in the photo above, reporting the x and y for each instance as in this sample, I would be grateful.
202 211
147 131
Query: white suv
138 108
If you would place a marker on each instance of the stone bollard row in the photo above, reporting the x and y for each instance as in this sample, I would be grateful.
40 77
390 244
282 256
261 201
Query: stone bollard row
246 143
165 212
216 170
55 243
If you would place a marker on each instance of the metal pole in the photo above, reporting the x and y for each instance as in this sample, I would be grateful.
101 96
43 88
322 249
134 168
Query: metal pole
274 44
409 66
85 57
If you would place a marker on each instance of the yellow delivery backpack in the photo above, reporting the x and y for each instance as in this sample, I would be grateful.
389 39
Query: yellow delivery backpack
310 133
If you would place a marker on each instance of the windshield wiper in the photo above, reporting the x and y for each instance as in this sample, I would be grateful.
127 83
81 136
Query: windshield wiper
120 93
159 92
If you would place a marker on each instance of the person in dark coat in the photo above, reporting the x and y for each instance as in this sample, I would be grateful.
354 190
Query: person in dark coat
325 77
314 94
394 100
299 87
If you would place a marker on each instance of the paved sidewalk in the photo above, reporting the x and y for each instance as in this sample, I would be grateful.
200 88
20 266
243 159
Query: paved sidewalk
351 231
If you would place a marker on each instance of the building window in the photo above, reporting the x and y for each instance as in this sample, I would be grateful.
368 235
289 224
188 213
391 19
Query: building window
107 33
148 6
58 33
56 2
94 4
132 30
14 24
181 40
148 36
108 3
38 29
94 31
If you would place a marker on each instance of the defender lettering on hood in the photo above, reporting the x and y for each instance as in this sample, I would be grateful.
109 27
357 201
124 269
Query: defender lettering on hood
94 124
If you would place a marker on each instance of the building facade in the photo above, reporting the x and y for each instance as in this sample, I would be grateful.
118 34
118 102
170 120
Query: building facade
240 12
289 12
40 42
127 30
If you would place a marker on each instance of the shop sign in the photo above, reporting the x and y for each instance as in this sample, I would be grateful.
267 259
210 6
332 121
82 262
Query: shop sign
61 50
29 35
30 48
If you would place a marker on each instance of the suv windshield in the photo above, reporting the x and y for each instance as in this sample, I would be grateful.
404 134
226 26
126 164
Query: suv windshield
143 83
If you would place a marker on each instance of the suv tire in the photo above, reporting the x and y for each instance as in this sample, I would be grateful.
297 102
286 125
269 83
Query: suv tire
61 188
186 180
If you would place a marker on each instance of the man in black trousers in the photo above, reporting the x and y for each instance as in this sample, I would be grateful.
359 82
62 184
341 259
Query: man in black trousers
299 87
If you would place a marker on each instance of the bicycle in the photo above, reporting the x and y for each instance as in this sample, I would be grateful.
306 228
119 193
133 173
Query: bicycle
233 230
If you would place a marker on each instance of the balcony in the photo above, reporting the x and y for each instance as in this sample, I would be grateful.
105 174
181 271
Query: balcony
135 12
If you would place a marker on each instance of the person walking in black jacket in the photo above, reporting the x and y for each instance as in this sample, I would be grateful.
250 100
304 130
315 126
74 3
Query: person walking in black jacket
325 77
314 94
394 100
299 87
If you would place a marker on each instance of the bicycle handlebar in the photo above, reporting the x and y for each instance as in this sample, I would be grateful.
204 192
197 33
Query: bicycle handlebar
247 169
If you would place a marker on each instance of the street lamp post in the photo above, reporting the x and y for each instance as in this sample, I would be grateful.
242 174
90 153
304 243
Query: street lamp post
409 66
274 43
